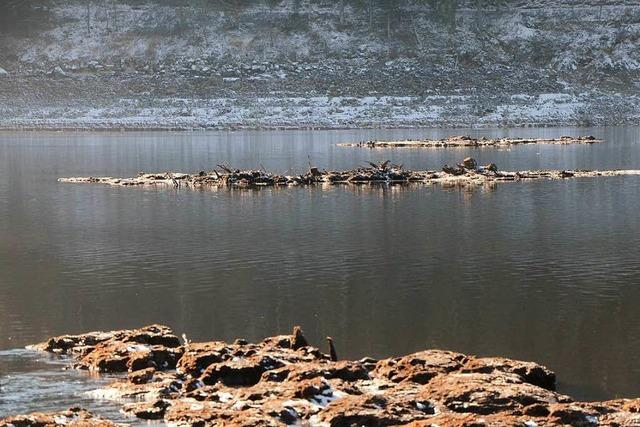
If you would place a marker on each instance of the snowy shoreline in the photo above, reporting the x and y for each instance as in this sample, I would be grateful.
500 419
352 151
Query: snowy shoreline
114 127
266 113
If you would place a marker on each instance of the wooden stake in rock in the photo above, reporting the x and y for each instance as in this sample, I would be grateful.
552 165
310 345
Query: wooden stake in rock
332 350
298 340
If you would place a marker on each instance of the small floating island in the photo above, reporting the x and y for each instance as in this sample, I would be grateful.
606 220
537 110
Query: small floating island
283 380
467 141
467 173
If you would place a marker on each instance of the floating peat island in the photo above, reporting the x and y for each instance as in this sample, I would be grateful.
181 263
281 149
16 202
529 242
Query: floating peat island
467 141
283 380
467 173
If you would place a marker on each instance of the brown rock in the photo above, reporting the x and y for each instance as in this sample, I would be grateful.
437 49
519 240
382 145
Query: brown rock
212 414
142 376
199 356
119 356
78 344
367 410
308 389
453 419
614 413
119 351
243 372
151 335
488 393
529 372
419 367
148 410
345 370
71 417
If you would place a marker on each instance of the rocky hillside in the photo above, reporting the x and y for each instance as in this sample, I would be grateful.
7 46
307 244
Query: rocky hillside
302 63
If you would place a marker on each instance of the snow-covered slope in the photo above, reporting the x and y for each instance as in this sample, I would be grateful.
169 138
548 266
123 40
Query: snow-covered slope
323 63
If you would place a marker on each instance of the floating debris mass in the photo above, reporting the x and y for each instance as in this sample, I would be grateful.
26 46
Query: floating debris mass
467 173
467 141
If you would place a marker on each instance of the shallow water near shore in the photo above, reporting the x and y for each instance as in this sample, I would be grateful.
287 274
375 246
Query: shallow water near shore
33 382
543 271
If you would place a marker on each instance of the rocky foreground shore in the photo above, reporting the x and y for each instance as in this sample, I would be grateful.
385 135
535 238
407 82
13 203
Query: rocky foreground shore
283 380
466 174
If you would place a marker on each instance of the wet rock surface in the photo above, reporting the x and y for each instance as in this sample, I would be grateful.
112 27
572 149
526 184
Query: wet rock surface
467 173
71 417
120 351
283 380
467 141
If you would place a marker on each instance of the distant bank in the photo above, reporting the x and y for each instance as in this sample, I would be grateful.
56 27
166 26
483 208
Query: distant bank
127 64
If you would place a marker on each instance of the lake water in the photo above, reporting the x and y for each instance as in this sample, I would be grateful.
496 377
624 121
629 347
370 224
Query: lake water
545 271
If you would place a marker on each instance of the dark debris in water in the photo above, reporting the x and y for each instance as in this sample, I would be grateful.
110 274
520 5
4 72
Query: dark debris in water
467 141
467 173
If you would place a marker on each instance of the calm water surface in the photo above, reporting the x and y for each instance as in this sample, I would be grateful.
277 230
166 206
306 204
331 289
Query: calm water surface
544 271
